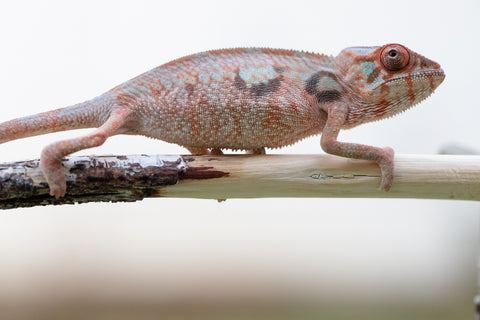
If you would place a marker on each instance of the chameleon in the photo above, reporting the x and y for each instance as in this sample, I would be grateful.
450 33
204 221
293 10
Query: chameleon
245 99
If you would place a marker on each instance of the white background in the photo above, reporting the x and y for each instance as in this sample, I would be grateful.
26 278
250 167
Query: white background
58 53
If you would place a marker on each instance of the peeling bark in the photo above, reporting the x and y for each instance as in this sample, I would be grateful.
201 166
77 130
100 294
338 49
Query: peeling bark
90 179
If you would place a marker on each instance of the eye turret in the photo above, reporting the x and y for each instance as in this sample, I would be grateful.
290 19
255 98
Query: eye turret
395 57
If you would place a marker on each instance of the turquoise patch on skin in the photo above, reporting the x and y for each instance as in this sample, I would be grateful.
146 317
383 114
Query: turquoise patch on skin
204 77
228 74
177 82
299 75
215 76
258 74
167 83
360 50
328 83
368 67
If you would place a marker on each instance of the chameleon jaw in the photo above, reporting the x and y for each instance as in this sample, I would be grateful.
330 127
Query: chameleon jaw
416 76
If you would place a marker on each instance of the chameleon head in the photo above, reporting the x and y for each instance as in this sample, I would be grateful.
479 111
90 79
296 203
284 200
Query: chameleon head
383 81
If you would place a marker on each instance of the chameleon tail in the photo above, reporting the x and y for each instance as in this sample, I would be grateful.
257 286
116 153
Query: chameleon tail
88 114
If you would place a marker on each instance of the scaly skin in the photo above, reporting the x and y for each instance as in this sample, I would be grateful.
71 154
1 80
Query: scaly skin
245 98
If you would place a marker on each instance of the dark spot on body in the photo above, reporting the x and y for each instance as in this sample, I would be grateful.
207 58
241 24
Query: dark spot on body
259 89
239 83
328 96
278 69
156 91
373 75
271 86
311 87
189 88
312 82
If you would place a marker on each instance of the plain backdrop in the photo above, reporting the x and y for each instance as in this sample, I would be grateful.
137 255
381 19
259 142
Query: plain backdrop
57 53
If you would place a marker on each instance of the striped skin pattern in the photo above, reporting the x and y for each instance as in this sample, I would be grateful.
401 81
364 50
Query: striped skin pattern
245 98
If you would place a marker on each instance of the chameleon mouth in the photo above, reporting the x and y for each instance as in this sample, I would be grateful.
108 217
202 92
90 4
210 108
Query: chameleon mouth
421 75
438 73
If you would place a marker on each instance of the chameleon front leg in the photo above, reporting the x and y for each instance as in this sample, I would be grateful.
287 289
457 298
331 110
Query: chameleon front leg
337 114
51 157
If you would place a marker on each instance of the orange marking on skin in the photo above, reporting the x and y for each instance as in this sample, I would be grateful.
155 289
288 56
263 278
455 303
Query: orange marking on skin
411 92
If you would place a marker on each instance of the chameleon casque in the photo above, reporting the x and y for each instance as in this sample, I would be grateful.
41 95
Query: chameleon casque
245 98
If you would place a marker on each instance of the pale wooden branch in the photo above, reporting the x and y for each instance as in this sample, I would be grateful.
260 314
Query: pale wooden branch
132 178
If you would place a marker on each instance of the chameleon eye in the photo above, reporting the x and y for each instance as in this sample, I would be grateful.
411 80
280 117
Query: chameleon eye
395 57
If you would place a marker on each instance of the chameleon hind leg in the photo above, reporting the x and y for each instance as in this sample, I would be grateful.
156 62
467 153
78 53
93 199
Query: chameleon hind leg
51 157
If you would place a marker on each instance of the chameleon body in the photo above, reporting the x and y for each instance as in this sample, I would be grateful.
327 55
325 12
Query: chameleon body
245 98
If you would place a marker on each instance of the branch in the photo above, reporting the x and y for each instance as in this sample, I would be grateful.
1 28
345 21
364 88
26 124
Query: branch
134 177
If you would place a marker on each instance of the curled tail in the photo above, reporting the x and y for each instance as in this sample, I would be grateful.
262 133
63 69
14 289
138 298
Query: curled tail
88 114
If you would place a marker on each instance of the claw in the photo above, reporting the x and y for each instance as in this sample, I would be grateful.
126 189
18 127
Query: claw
58 191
